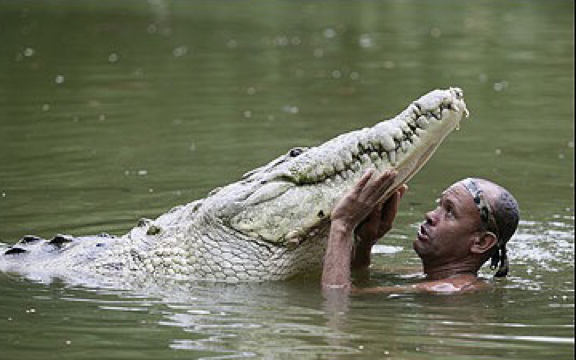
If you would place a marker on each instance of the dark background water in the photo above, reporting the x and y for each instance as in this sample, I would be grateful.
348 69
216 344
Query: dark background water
115 110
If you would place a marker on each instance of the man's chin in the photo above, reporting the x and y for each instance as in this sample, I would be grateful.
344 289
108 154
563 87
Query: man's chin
418 247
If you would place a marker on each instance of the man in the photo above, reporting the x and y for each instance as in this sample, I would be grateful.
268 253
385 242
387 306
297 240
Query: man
474 220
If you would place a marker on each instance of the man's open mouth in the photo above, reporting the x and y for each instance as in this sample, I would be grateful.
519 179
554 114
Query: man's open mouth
423 234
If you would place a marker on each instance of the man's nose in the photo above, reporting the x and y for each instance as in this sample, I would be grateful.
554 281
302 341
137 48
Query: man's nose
430 217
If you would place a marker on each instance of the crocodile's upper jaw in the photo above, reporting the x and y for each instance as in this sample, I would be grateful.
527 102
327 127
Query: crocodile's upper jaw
283 201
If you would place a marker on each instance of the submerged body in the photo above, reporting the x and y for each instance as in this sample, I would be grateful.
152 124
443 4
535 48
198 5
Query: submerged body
270 225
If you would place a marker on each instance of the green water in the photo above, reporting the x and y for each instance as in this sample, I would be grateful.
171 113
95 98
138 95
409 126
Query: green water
115 110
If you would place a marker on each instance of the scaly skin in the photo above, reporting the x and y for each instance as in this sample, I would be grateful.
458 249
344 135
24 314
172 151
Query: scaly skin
270 225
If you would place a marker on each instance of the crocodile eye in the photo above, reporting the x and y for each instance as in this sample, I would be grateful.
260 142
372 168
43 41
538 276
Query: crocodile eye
295 152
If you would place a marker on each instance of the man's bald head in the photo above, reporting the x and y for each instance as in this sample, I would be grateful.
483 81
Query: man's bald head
500 215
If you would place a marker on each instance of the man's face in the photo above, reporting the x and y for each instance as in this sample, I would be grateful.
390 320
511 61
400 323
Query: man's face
448 231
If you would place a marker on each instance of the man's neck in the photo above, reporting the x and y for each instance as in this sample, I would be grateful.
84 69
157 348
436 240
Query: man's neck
445 271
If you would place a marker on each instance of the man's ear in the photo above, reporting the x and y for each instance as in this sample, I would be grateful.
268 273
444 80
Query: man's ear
484 242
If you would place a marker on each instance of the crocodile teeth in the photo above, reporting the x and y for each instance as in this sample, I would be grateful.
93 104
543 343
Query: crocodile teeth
347 157
405 146
388 143
422 122
392 157
406 128
365 159
397 134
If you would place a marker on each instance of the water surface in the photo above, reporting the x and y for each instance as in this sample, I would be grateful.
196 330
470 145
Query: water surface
115 110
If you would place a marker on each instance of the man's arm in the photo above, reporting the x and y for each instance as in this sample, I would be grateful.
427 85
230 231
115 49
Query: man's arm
350 211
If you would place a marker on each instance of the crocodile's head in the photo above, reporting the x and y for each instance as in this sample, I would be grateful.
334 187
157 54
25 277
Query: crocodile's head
287 200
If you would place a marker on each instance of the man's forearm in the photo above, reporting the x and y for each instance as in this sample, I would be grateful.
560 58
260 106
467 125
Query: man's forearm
336 270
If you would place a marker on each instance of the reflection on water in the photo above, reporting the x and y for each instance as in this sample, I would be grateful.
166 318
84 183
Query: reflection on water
112 111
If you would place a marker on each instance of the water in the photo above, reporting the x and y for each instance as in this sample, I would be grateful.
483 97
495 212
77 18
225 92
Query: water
112 111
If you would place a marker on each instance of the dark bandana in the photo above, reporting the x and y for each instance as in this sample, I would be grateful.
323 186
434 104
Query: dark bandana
500 259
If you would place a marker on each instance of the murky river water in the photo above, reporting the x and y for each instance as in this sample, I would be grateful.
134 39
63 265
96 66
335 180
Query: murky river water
115 110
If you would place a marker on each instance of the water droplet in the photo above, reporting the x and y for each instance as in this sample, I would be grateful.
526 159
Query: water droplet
366 41
354 75
499 86
498 151
247 113
561 156
336 74
251 91
318 53
180 51
389 64
280 40
435 32
192 147
295 41
113 57
45 107
482 78
232 44
329 33
29 52
571 144
59 79
152 29
102 117
291 109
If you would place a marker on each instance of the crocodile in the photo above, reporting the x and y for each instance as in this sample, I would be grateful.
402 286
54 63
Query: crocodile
272 224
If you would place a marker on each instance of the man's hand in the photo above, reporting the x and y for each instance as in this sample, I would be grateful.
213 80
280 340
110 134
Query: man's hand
363 199
380 220
376 225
